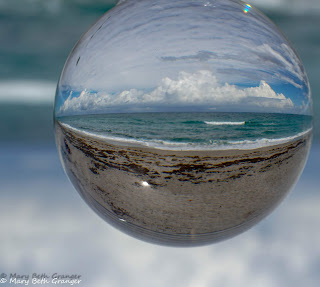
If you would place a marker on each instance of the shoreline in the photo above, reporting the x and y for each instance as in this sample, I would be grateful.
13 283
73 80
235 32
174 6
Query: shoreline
182 192
127 143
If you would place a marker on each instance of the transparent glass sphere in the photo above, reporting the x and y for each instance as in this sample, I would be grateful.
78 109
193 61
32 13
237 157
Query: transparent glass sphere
183 122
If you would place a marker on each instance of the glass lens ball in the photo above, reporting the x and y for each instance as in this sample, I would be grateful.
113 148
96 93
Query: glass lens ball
183 122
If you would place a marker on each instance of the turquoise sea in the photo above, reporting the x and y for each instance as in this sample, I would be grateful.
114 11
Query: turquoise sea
193 130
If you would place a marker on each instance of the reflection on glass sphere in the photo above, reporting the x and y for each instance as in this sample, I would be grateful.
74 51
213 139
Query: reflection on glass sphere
183 122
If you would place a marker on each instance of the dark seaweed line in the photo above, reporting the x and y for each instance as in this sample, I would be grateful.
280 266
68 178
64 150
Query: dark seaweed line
103 159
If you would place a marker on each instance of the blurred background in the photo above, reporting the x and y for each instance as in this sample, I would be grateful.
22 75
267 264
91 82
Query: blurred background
46 227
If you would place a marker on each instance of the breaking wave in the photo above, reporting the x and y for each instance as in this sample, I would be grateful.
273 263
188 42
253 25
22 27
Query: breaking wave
225 123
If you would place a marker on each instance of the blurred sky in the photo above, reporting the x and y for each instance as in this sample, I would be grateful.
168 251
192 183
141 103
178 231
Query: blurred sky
46 227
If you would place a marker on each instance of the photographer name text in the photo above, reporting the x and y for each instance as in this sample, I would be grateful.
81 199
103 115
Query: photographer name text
40 279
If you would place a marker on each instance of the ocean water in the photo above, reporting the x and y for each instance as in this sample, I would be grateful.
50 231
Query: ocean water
193 130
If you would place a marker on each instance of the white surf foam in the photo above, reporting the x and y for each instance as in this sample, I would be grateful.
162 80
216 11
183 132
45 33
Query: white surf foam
264 142
104 137
165 145
225 123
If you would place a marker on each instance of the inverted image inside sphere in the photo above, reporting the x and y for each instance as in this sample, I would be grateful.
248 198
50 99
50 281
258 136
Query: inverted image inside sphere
183 122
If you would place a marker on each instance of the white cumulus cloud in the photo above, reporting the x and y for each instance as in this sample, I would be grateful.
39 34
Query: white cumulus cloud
200 89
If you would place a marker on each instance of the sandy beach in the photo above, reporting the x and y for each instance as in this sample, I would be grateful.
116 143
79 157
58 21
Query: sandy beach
182 192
